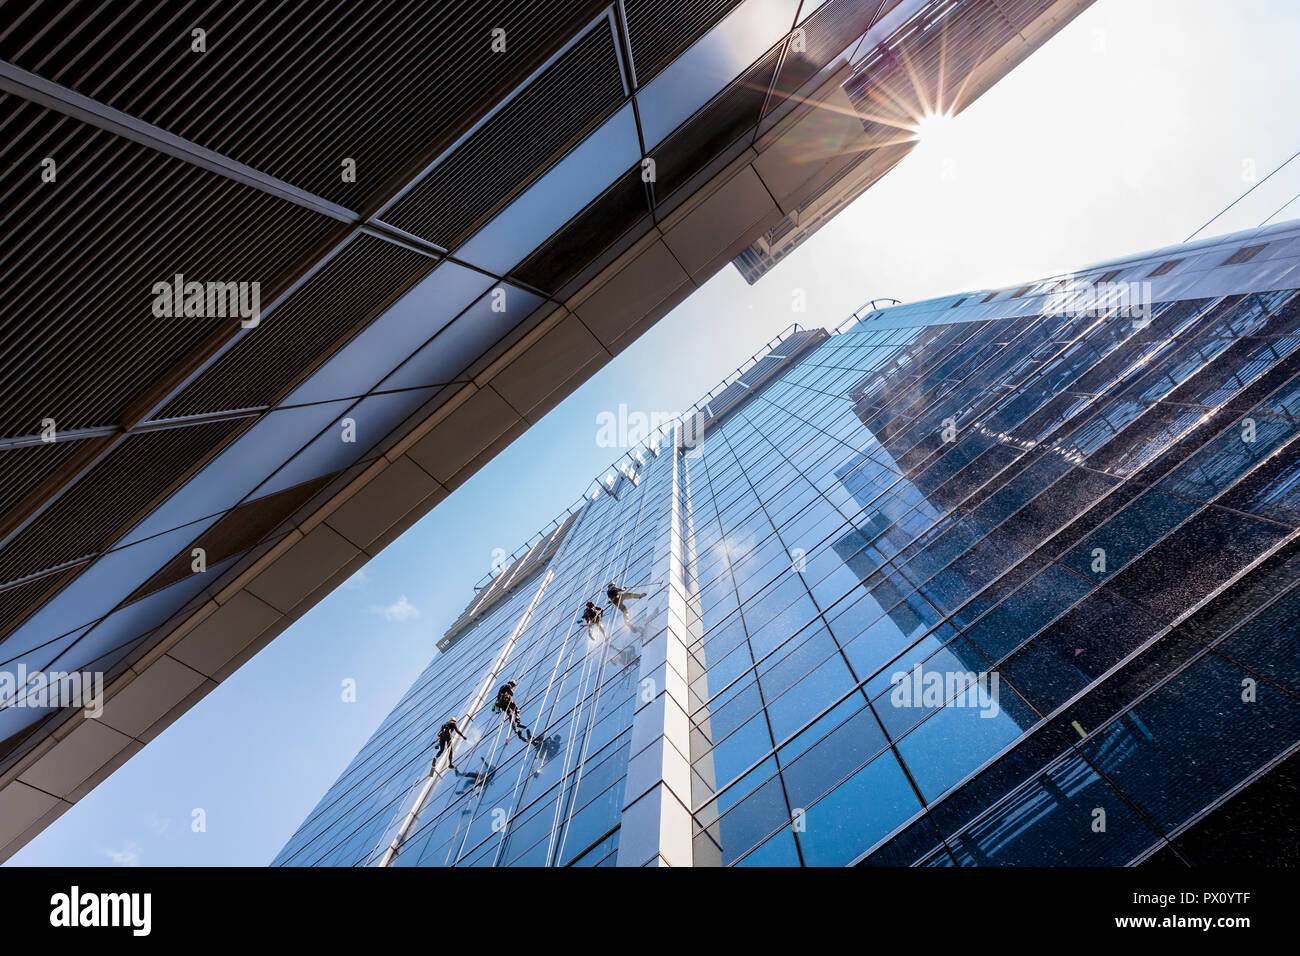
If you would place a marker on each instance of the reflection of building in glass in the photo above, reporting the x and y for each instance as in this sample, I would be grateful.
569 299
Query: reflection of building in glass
1100 511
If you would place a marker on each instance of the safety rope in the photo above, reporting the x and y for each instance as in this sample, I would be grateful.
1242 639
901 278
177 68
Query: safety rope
564 664
469 814
542 723
582 757
1243 196
478 791
552 845
472 710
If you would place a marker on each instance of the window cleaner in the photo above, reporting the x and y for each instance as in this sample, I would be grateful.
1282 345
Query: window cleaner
444 743
591 616
505 704
617 596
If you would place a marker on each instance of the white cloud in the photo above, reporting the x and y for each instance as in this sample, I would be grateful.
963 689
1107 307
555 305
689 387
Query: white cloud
358 580
399 610
129 855
159 825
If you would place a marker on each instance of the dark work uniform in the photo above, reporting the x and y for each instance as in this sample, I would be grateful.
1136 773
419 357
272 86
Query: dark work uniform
444 743
591 617
506 704
617 596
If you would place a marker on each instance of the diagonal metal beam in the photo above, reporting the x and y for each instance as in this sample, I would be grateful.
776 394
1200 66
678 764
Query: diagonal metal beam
61 99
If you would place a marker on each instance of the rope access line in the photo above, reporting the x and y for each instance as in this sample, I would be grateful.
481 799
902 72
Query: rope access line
1243 196
472 710
552 846
556 673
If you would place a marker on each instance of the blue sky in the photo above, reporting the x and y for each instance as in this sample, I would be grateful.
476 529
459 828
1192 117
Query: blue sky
1129 129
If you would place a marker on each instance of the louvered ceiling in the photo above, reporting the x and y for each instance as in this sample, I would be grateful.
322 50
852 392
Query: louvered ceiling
661 29
89 516
293 89
26 468
347 292
17 599
500 157
129 205
224 164
80 255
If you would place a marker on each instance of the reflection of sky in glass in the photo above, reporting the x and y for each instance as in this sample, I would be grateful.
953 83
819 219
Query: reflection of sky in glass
33 660
555 198
853 816
800 661
1020 95
372 418
888 636
473 333
387 341
701 72
457 820
14 719
240 467
126 625
957 740
94 593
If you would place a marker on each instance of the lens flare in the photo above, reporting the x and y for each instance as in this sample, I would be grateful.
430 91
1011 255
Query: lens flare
933 126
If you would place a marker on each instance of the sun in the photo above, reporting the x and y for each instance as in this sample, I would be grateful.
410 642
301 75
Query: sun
933 126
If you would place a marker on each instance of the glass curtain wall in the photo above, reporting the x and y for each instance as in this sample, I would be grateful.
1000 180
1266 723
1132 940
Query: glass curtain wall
1038 500
1014 591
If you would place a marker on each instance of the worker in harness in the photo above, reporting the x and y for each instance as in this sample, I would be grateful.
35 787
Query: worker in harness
617 596
444 743
591 616
505 704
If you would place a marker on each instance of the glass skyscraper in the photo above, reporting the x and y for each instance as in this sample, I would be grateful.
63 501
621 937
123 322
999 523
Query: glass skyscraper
1008 578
